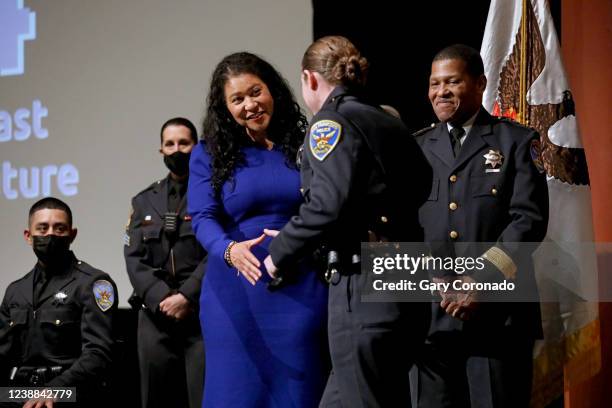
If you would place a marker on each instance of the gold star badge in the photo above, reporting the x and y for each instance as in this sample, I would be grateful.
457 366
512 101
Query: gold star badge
493 158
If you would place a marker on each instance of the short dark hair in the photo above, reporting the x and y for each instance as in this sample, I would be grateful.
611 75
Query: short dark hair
193 133
50 203
465 53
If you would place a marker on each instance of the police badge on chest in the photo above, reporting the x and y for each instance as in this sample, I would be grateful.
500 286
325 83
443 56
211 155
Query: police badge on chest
59 298
493 161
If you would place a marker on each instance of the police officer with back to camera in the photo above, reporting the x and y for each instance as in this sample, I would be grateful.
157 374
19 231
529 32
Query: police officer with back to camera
363 178
56 323
488 199
165 265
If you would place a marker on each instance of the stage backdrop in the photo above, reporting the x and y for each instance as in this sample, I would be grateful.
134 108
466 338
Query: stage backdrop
85 86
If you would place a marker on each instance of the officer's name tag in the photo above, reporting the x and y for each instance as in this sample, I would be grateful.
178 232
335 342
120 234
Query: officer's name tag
492 170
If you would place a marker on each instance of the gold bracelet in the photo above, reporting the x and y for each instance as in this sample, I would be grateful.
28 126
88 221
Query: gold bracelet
226 254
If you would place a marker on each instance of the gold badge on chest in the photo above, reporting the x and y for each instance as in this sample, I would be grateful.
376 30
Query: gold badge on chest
493 161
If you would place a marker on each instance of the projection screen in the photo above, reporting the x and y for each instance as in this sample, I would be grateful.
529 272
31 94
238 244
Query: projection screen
85 86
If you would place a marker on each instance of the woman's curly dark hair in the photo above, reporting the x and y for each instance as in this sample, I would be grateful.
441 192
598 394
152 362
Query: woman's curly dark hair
224 137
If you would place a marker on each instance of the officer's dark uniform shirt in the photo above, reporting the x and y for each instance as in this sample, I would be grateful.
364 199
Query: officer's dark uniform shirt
365 162
363 178
68 322
41 278
159 261
176 193
492 193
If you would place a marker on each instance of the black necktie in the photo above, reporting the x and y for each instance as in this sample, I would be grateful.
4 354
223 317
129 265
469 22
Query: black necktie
456 135
173 198
176 194
39 285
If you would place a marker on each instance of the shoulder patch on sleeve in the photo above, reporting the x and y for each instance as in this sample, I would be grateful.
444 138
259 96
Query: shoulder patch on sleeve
127 225
126 235
104 293
536 155
324 137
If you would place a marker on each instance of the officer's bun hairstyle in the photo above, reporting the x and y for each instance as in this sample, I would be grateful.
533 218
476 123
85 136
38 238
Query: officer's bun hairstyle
50 203
337 60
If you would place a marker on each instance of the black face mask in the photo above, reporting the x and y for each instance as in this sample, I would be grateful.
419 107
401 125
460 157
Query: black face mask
178 163
51 249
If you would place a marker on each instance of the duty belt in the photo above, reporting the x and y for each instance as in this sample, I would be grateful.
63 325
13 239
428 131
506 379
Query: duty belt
334 266
34 376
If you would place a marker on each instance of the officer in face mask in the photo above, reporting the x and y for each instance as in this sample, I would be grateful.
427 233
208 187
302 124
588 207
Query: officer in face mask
56 321
165 264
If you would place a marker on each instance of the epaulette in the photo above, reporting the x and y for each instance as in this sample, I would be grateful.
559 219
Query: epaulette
512 121
336 101
20 279
87 269
506 119
424 130
151 186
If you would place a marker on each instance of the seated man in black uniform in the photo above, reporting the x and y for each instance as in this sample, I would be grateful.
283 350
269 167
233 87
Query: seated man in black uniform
56 321
165 264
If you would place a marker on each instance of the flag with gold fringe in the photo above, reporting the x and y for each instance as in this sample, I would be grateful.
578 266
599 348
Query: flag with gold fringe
527 82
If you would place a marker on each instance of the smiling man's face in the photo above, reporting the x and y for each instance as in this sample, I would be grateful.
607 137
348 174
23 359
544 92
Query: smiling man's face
454 94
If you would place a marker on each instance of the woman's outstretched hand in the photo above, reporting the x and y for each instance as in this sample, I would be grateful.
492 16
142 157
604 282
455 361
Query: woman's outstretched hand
243 259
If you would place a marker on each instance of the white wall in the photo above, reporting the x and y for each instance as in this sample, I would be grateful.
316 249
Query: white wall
110 73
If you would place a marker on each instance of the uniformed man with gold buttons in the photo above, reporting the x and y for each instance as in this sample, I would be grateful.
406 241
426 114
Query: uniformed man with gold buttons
486 190
165 264
56 322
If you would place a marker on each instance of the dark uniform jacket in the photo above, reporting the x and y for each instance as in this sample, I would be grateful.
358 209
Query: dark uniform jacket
70 325
373 179
157 263
502 201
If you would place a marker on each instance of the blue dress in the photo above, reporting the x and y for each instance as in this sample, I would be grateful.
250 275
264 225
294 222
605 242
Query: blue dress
263 349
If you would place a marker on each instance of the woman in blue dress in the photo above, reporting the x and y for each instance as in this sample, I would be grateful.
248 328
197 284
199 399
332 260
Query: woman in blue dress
263 348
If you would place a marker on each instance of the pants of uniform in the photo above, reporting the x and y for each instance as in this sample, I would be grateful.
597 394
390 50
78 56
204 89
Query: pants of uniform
373 346
460 371
171 359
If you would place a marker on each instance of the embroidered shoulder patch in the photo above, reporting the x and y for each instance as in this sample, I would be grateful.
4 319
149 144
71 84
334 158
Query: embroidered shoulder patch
536 155
104 293
126 235
129 221
324 136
